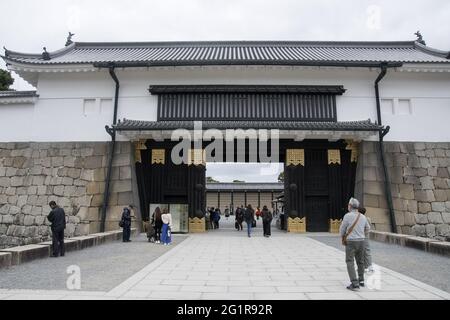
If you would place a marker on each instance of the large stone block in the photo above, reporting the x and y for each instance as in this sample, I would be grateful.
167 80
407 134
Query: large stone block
17 181
406 191
411 206
93 162
424 207
443 230
421 218
420 172
122 159
409 219
441 183
125 198
446 217
435 217
426 183
374 188
438 206
414 161
371 201
443 173
440 195
27 253
424 195
125 173
370 174
82 229
430 230
377 215
123 186
400 160
5 182
74 173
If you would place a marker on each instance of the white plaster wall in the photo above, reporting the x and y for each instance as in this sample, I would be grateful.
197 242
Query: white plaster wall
16 122
58 114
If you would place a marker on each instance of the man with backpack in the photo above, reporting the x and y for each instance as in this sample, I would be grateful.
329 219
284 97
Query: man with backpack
239 218
249 217
267 220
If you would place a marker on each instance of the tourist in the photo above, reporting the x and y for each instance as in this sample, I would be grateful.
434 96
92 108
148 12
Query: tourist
157 224
216 218
257 213
267 220
353 229
249 217
211 217
239 217
166 234
57 217
125 223
367 254
227 213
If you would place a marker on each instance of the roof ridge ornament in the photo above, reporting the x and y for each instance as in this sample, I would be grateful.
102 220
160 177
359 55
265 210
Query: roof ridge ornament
69 39
45 54
420 38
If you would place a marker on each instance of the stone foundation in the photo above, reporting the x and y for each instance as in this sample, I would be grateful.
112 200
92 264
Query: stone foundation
420 187
70 173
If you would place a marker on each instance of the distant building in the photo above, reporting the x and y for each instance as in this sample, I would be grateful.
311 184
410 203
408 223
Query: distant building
233 195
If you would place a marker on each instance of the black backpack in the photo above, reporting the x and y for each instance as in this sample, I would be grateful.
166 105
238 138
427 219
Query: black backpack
248 214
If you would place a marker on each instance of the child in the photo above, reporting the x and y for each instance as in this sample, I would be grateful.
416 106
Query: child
367 255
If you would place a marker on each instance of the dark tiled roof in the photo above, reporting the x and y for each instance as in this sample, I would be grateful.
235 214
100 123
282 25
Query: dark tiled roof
268 186
237 53
246 89
136 125
17 94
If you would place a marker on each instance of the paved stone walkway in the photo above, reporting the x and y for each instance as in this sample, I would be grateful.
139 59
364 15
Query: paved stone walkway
226 265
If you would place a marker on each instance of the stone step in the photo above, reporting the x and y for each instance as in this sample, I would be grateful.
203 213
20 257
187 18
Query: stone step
27 253
21 254
5 259
421 243
70 244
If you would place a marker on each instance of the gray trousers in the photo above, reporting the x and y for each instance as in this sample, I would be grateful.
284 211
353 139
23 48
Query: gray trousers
355 250
367 254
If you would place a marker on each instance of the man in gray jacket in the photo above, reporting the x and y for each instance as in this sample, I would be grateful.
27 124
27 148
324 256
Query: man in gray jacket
353 229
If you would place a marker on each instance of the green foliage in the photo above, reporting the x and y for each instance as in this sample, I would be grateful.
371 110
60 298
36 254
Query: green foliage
211 180
281 177
238 181
6 80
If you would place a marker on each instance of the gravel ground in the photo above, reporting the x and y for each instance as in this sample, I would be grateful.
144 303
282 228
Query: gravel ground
102 267
429 268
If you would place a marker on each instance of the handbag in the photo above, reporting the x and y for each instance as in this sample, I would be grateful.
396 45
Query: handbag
344 238
169 232
121 223
253 223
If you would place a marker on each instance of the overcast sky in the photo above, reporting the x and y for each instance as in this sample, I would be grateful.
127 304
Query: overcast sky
29 25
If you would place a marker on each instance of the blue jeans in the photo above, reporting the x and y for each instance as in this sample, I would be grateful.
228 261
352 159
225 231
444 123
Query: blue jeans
164 236
249 227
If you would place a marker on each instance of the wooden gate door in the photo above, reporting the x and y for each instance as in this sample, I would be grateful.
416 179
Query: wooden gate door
316 190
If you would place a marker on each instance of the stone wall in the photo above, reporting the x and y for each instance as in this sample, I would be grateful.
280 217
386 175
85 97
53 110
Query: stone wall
70 173
420 186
